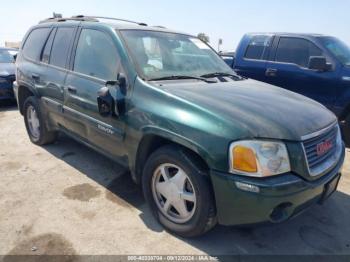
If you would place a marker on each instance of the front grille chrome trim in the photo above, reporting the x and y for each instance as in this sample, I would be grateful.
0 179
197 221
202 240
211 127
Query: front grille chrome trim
317 133
329 161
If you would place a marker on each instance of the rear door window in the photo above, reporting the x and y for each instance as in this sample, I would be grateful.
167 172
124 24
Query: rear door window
96 55
61 45
296 50
258 47
34 44
45 57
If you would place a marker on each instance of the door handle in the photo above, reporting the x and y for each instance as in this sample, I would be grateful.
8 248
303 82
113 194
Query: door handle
271 72
36 77
72 89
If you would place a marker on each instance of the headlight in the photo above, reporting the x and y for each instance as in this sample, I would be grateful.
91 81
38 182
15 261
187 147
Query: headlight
258 158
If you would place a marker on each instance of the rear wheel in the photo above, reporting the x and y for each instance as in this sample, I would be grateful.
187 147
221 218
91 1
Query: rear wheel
178 192
35 123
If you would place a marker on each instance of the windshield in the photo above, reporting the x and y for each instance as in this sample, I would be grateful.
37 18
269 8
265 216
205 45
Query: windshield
338 48
159 55
6 57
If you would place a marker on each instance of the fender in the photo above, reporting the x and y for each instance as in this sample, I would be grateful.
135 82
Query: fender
134 159
18 88
176 138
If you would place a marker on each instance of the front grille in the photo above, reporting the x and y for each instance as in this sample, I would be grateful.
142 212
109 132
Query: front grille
315 160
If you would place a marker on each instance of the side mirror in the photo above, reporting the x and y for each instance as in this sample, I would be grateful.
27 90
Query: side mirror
15 57
319 63
121 82
105 102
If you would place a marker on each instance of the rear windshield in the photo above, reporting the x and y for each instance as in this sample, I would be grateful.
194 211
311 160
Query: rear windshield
338 48
6 57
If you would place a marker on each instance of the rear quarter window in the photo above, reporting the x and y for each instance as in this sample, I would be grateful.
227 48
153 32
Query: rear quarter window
258 47
34 43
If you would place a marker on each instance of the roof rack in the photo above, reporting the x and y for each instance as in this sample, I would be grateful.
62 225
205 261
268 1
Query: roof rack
63 19
109 18
59 18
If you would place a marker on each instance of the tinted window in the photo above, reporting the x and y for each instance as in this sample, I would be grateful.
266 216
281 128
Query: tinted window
96 55
60 47
35 42
46 53
258 46
296 51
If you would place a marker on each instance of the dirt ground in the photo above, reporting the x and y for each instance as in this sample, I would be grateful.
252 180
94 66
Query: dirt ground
67 199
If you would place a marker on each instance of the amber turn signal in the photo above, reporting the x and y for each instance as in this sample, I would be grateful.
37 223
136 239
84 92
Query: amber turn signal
244 159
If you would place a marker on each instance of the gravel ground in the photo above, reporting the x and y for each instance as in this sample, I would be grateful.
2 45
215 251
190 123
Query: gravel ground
66 199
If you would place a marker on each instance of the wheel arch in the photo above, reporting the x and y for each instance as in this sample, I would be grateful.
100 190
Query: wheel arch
23 93
154 139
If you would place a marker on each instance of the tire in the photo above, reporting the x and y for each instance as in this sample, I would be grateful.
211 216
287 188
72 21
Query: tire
39 136
178 162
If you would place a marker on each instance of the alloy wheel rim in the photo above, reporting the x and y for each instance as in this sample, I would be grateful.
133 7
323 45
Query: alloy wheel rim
33 122
174 193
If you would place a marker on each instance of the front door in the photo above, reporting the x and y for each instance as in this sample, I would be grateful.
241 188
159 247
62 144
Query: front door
290 71
96 61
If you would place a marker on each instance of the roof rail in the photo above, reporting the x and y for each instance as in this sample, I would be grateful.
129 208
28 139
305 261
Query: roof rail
58 18
63 19
108 18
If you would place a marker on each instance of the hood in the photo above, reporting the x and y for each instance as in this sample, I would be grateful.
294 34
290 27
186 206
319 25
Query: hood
7 67
260 110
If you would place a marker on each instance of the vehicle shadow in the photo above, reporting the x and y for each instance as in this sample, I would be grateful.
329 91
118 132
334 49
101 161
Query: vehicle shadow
320 230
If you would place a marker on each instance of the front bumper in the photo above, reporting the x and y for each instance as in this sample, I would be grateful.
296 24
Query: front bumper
6 89
280 197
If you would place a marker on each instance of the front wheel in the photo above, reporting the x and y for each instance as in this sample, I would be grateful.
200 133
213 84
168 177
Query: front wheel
179 192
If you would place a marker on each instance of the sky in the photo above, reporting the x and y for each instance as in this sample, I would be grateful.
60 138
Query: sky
228 20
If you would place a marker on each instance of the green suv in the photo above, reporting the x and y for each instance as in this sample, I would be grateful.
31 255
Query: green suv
206 145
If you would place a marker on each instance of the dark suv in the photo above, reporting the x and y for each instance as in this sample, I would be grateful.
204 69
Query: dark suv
206 145
7 73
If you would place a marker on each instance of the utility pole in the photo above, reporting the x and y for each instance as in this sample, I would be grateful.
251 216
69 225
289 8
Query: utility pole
219 44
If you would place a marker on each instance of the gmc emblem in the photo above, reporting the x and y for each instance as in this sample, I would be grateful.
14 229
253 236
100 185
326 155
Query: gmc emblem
324 147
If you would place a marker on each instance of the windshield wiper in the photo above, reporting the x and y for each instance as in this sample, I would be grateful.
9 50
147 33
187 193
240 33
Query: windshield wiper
176 77
216 74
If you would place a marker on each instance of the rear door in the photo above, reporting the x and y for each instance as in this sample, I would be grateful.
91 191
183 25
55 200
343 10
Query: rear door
288 68
96 60
253 62
30 70
56 56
